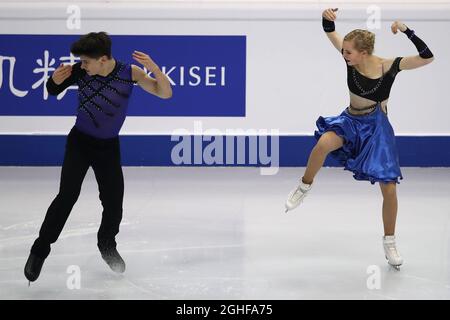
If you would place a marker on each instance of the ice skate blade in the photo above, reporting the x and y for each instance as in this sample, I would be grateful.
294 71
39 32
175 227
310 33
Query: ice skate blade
396 267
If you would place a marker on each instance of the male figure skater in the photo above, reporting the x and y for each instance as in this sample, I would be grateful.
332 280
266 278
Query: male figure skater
104 89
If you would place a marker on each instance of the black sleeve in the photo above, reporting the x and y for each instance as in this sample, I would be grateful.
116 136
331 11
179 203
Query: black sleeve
55 89
397 64
327 25
395 68
423 49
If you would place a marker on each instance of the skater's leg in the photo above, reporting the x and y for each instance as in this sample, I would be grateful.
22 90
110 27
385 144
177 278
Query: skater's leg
108 173
390 205
389 219
328 142
73 171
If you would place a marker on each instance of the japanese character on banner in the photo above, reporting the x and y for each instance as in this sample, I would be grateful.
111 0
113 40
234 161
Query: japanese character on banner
47 66
12 62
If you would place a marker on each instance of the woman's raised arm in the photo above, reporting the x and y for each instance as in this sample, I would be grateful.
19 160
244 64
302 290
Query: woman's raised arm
328 18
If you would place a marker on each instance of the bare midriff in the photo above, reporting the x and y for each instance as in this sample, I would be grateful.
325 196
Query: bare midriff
358 102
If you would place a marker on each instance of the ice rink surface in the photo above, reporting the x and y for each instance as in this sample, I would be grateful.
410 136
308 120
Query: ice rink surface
221 233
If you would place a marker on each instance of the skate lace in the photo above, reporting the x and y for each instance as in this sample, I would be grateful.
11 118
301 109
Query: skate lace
392 250
297 193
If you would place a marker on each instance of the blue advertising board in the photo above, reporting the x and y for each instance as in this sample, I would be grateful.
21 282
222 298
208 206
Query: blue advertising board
207 73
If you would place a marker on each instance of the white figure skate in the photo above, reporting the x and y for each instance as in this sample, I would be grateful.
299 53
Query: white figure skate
391 253
297 195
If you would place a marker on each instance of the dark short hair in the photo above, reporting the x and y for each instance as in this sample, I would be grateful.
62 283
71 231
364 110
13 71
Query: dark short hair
92 45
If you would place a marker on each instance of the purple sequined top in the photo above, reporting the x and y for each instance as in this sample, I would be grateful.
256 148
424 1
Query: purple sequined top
102 101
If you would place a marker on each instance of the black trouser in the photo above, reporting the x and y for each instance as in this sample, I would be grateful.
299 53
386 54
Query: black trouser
83 151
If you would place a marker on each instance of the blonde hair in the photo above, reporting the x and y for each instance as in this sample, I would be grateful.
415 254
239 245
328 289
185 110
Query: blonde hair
362 40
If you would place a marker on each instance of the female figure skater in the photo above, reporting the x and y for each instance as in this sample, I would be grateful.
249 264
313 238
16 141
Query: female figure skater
104 89
361 137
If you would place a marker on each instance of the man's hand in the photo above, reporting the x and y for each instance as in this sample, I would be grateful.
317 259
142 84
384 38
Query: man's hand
61 73
145 60
160 85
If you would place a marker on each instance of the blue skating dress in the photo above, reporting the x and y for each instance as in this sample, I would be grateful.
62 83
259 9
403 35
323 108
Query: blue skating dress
369 149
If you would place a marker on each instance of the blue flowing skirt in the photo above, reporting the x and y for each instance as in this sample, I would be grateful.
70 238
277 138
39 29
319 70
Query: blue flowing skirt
369 149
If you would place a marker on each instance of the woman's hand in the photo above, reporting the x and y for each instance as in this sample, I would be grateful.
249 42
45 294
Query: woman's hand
330 14
398 25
